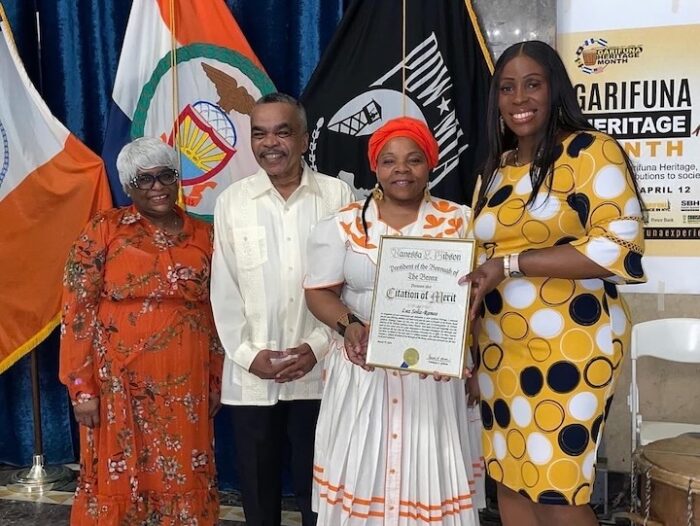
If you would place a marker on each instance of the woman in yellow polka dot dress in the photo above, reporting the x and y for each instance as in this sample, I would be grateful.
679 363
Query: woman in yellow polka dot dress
559 223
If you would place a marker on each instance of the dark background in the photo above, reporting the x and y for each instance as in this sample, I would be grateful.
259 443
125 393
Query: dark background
71 49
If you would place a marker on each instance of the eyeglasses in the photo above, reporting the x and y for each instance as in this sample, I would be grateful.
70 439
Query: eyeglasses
146 181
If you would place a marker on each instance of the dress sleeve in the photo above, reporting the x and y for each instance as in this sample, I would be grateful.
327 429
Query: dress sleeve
216 362
83 282
325 255
610 211
216 350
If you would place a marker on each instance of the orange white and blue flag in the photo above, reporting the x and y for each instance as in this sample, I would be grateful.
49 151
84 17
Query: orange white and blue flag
187 75
50 186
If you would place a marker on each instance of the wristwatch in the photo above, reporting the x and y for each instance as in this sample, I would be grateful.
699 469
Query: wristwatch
513 266
344 322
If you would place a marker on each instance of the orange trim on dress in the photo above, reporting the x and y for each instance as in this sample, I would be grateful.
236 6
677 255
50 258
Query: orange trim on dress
456 503
352 206
443 222
324 285
427 507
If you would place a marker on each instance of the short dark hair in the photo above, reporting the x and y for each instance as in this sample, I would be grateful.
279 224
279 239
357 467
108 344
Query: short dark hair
283 98
564 114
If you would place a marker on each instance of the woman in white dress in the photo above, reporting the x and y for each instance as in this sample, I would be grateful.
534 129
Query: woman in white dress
392 447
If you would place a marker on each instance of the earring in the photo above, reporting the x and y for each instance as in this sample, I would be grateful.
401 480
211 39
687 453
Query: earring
502 124
377 192
426 194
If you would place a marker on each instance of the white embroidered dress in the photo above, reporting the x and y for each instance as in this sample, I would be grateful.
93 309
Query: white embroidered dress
391 448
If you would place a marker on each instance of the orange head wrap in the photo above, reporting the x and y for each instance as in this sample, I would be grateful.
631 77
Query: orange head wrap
409 127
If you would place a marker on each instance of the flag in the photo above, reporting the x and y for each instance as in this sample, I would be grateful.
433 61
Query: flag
50 186
357 87
197 56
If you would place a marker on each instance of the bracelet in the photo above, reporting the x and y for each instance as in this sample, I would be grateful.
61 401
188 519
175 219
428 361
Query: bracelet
514 262
345 321
83 397
514 266
506 266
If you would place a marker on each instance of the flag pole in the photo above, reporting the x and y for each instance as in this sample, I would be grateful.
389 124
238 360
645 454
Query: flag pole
403 58
39 478
176 104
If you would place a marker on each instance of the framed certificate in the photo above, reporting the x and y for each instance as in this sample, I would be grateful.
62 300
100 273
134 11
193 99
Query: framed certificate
420 313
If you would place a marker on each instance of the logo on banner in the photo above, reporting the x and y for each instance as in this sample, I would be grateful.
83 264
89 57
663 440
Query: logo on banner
690 205
594 55
4 153
429 94
217 89
658 206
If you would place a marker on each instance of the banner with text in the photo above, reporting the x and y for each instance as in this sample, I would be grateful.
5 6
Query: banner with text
641 84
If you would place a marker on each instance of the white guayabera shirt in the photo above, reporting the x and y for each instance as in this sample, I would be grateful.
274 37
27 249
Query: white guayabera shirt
258 267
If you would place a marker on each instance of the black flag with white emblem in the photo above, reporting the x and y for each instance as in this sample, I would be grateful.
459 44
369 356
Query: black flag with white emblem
357 87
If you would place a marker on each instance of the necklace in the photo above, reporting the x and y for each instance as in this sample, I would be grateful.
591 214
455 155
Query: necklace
516 162
171 225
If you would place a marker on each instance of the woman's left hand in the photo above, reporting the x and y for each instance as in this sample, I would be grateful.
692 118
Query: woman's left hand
355 342
214 403
484 279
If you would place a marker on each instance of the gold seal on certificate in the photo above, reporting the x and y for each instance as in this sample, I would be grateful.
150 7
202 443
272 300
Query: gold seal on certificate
419 311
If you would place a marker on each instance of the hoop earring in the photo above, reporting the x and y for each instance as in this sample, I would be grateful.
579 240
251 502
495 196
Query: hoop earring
426 194
502 124
377 192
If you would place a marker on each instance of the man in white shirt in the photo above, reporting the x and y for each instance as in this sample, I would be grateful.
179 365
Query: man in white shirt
273 344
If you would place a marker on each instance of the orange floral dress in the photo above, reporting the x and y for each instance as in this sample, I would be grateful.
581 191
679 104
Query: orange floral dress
138 333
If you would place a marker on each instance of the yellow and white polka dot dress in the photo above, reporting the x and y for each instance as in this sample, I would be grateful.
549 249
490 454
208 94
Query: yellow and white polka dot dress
551 348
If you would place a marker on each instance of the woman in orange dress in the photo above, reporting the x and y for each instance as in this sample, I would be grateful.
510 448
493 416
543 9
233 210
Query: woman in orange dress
140 355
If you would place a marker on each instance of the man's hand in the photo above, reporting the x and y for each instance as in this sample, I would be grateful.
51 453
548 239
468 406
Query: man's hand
304 361
267 364
88 413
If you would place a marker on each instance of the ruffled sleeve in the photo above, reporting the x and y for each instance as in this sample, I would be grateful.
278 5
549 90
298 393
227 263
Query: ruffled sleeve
83 281
610 211
326 255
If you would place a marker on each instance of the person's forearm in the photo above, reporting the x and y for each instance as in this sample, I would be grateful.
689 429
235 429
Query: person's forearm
562 261
325 304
